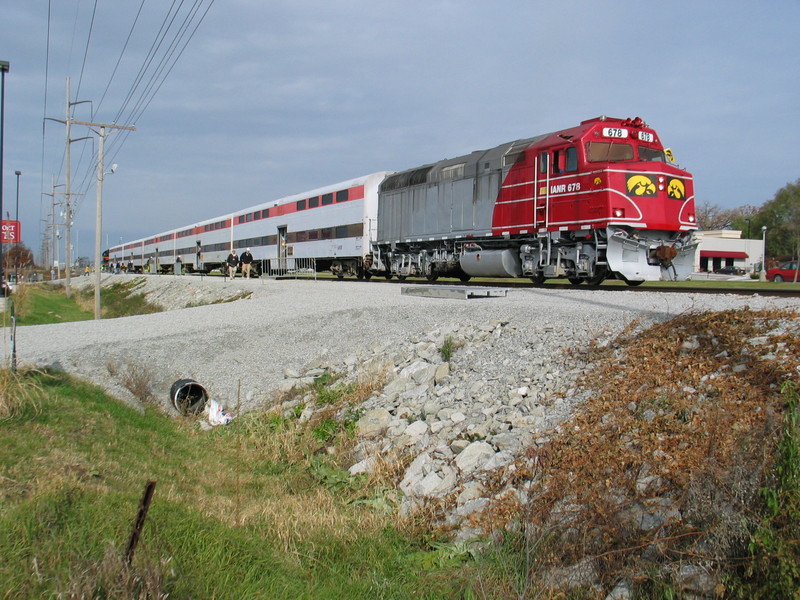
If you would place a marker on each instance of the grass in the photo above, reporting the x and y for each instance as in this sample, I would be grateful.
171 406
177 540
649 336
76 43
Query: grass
40 304
43 304
249 510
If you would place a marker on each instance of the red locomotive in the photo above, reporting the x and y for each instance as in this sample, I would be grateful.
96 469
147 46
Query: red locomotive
600 200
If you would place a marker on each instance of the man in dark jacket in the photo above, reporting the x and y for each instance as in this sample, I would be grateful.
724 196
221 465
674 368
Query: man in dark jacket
247 260
233 263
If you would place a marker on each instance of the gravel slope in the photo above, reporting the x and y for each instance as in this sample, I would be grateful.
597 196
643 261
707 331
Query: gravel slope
238 350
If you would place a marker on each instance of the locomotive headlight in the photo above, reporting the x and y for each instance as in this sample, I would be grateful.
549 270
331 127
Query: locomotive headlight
691 218
618 212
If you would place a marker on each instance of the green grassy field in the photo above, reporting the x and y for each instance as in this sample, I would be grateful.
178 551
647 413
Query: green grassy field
256 509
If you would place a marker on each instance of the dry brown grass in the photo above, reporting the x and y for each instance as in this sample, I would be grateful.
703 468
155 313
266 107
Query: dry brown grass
112 577
691 404
21 300
135 377
18 395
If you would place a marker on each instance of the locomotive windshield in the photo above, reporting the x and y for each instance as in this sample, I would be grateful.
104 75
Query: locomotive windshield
608 151
651 154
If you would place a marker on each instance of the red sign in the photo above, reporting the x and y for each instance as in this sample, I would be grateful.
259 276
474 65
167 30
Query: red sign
11 233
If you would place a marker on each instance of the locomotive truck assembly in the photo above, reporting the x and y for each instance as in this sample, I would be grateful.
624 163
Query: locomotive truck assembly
599 200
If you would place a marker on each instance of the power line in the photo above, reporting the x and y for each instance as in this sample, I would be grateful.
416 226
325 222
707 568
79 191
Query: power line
159 64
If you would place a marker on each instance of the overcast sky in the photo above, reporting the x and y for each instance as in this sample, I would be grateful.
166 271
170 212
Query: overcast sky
269 98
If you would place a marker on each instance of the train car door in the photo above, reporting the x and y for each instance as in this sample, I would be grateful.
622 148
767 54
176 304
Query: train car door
282 250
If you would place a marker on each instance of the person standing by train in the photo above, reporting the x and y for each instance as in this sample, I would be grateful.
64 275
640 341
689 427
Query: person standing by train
246 260
233 263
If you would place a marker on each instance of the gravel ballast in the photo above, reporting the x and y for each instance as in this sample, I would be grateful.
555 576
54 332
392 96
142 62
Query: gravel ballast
240 350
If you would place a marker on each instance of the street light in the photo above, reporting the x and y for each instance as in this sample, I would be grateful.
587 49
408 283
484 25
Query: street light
4 66
16 218
763 275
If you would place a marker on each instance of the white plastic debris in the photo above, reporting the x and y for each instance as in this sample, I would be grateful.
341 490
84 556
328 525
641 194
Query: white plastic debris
216 414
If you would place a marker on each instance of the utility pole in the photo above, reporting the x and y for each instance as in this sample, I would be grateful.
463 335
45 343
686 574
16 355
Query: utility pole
52 226
68 212
98 235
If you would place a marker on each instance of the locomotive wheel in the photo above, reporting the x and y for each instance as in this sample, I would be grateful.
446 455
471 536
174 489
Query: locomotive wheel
367 275
432 274
633 283
388 274
360 273
464 277
538 279
401 277
600 275
575 280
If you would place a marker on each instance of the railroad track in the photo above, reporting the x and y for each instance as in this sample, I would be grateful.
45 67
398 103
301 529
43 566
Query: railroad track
610 286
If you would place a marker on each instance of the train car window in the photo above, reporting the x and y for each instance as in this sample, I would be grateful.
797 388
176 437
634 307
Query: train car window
249 217
301 205
313 202
572 159
341 232
651 154
608 151
343 196
327 199
241 219
544 161
265 213
327 232
313 235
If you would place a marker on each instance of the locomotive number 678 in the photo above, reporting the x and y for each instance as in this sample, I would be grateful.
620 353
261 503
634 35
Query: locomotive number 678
600 200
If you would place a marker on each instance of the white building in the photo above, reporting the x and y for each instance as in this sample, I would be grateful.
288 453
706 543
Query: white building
725 247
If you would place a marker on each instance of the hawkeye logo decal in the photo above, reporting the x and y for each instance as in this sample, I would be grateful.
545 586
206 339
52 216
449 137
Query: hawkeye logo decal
641 185
676 189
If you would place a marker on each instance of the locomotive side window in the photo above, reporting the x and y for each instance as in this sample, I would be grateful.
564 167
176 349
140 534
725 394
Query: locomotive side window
558 161
608 151
572 159
544 161
565 160
651 154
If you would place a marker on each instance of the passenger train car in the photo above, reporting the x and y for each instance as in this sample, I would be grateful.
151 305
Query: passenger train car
333 225
596 201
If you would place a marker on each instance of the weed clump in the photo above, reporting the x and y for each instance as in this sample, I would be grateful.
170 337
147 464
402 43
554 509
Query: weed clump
135 377
18 395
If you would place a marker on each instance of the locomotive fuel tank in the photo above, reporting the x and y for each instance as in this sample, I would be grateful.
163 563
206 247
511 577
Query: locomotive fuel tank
477 262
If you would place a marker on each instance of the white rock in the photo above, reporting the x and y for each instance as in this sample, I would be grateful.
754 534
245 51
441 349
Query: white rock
474 456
